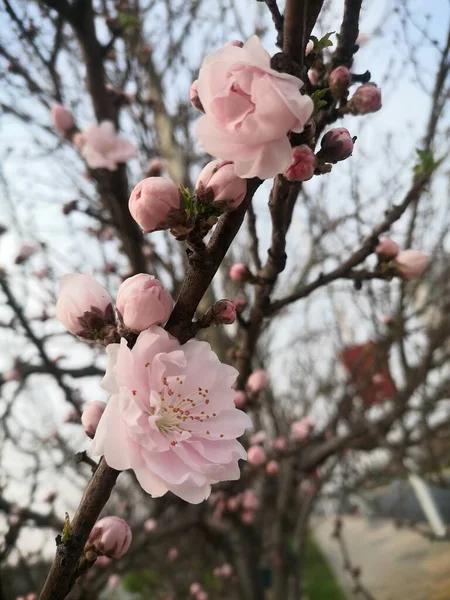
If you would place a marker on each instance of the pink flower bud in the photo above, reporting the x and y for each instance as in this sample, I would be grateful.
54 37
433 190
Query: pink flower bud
110 536
143 301
150 525
194 97
272 467
309 48
313 77
240 399
226 570
224 312
387 249
257 382
233 503
195 589
240 304
304 162
256 456
84 307
239 273
219 180
250 500
279 444
62 118
247 517
91 417
410 264
366 99
202 595
156 203
258 438
173 553
337 144
113 580
300 430
102 561
339 80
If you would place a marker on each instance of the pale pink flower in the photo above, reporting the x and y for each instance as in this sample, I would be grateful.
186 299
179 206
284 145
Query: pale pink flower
313 76
226 570
102 561
339 80
258 438
171 417
337 144
150 525
62 118
143 301
195 588
113 580
366 99
301 429
193 96
219 180
202 595
257 382
309 48
279 444
110 536
239 272
240 399
91 416
410 264
224 312
256 456
272 467
249 110
233 503
248 517
304 163
173 553
387 249
84 307
156 203
103 148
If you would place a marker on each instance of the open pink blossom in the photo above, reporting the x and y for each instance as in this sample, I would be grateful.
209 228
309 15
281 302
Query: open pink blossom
103 148
143 301
257 382
410 264
249 110
62 118
171 416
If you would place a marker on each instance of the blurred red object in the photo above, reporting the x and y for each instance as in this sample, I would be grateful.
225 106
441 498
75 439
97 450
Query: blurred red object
368 367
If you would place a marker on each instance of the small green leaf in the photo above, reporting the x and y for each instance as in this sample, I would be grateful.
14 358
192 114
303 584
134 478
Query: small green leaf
127 21
67 529
426 164
323 43
317 98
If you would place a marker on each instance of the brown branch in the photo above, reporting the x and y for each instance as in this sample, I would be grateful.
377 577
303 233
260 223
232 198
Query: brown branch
348 35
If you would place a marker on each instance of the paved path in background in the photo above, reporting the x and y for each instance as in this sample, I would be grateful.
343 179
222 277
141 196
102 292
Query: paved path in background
396 564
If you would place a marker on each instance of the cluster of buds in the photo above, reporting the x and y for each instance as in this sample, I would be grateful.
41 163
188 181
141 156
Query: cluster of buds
197 592
300 430
406 264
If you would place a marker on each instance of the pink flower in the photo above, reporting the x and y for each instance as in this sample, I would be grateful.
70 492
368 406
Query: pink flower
301 429
226 570
103 148
193 96
410 264
303 164
156 203
173 554
110 536
257 382
256 456
309 48
113 580
143 301
219 180
387 249
171 417
102 561
337 144
313 76
249 110
62 118
84 307
224 312
258 438
233 503
202 595
279 444
366 99
248 517
339 80
240 399
195 589
239 272
250 500
91 417
150 525
272 467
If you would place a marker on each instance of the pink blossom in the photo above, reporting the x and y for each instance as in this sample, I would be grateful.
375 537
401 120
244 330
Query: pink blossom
143 301
113 580
102 561
173 554
257 382
272 467
224 312
84 307
339 80
301 429
110 536
313 76
240 399
227 570
337 144
62 118
103 148
366 99
156 203
410 264
171 417
150 525
303 165
258 438
256 456
91 417
279 444
193 96
387 249
233 503
250 500
309 48
239 272
248 517
249 110
202 595
195 588
219 181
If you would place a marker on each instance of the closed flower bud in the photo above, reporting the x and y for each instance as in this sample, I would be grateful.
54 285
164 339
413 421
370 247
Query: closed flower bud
240 399
257 382
258 438
156 203
336 145
303 165
91 417
410 264
256 456
387 249
239 273
272 467
143 301
219 181
309 48
313 76
300 430
195 589
339 80
110 536
366 99
193 96
224 312
150 525
84 307
240 304
279 444
62 118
